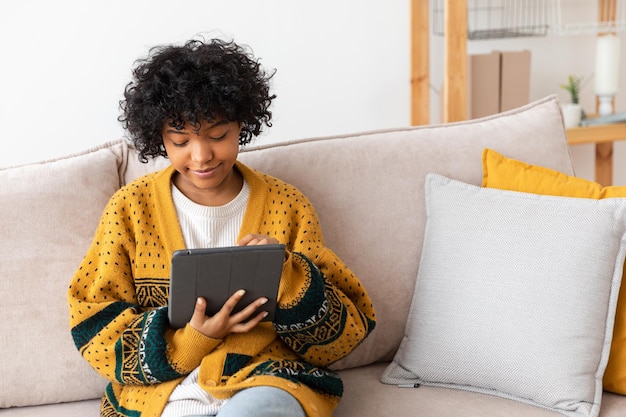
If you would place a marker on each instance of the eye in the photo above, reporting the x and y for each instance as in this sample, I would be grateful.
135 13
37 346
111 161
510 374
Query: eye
219 137
180 144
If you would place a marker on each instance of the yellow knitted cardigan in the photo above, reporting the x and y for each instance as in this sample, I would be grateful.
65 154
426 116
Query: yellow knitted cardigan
118 305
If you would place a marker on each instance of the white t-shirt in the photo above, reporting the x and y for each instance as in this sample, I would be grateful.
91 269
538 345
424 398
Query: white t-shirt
204 227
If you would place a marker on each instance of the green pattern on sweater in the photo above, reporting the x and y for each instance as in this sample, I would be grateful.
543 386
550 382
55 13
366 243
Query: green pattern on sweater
146 336
88 329
319 318
319 379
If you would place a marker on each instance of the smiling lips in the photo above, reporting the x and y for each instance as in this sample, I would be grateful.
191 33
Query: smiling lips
204 173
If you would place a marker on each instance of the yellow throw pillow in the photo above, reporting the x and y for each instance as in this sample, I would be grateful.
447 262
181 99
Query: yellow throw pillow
509 174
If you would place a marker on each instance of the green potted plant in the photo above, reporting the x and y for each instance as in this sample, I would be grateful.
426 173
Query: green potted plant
572 111
573 88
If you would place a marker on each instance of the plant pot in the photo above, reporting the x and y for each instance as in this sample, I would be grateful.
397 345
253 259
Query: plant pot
571 114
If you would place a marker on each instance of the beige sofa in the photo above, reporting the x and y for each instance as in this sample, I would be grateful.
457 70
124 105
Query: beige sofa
368 189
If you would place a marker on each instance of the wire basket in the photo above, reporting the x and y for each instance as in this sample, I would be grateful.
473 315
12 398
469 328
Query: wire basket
495 19
573 17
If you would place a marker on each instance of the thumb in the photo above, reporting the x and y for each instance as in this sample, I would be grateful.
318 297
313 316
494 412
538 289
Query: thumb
199 314
199 310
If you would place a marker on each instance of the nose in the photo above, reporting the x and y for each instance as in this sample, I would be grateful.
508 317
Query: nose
201 151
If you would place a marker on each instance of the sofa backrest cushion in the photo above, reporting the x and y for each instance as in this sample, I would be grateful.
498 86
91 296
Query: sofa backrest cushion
368 190
49 212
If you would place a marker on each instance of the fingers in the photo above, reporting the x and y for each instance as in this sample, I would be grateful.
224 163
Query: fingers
248 311
250 324
224 321
252 239
232 301
242 321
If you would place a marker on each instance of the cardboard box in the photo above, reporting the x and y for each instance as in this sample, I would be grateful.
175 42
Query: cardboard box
514 79
483 79
497 82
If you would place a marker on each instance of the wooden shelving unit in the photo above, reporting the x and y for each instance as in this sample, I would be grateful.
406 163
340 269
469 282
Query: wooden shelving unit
454 94
455 66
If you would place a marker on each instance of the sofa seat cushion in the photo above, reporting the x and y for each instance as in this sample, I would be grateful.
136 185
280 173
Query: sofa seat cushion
87 408
364 395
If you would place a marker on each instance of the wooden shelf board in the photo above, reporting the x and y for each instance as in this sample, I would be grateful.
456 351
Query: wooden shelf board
596 134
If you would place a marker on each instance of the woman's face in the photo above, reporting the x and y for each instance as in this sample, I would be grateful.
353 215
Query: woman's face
204 157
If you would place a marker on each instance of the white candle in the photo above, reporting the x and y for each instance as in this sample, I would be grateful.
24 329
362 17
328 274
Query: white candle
607 64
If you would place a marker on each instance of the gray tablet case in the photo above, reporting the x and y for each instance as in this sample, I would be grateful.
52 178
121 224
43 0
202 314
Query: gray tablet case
216 274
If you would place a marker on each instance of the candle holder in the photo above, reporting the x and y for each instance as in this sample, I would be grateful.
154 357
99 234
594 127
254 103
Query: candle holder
607 71
605 104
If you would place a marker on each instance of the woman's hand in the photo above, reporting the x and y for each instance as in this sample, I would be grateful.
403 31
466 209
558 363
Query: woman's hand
250 240
224 322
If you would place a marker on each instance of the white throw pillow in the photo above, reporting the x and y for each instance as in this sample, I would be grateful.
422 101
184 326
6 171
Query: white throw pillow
515 296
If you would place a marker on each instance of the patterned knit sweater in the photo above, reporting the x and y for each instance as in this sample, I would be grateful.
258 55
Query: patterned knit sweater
118 305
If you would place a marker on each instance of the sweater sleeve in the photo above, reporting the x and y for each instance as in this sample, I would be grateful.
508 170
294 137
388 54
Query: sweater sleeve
324 312
124 341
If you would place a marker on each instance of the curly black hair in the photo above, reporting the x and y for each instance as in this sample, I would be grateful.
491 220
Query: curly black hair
199 81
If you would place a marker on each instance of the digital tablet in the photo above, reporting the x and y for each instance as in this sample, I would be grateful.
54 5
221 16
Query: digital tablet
217 273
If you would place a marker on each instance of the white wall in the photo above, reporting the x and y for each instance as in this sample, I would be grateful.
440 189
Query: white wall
343 65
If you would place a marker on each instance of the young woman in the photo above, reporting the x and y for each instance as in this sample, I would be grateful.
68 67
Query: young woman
197 104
